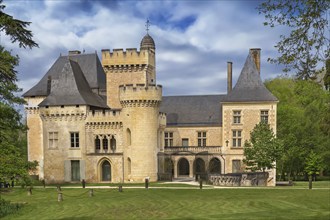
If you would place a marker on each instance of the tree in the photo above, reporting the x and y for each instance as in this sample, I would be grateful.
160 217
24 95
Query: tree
263 149
308 42
313 166
303 116
12 161
17 31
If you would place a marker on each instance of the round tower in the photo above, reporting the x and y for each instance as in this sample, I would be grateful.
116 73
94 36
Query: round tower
140 106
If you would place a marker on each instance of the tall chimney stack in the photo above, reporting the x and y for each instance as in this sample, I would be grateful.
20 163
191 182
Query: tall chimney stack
256 56
229 77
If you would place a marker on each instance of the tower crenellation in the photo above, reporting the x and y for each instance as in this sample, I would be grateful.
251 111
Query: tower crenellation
130 56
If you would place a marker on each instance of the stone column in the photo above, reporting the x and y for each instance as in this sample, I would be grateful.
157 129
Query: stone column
175 162
191 168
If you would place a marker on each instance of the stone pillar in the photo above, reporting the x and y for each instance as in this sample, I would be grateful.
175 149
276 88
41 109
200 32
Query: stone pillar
191 168
175 162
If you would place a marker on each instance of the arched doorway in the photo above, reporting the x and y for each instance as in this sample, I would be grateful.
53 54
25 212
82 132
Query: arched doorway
199 166
106 171
215 166
183 167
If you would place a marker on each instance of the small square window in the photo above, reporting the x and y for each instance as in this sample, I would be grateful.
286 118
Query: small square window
185 142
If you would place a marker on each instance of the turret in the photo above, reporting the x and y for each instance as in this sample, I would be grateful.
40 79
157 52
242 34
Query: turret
140 107
129 67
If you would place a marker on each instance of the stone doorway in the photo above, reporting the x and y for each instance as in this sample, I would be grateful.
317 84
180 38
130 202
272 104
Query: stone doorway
106 171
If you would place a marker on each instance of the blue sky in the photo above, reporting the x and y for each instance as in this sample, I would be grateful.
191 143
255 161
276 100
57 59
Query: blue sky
194 39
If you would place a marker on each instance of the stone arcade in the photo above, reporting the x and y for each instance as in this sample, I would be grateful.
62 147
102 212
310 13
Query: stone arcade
108 121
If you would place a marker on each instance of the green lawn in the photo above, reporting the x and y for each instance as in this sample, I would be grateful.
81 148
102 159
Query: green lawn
185 203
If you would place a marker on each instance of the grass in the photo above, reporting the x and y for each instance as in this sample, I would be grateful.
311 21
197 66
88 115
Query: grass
316 184
243 203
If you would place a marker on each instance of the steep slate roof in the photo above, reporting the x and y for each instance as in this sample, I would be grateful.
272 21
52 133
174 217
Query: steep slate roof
193 110
249 87
89 64
71 88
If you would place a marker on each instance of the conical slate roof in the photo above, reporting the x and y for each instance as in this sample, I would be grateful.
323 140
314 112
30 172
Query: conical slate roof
89 64
71 88
249 87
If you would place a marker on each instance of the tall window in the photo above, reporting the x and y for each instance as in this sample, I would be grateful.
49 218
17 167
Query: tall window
97 143
75 170
185 142
113 143
201 138
74 137
237 117
53 140
168 139
264 116
236 166
105 142
129 138
237 138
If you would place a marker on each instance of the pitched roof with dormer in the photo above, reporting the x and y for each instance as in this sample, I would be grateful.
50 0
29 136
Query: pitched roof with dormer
72 88
89 64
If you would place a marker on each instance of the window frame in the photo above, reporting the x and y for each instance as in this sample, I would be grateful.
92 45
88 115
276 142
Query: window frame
201 138
237 168
185 142
74 140
236 138
264 116
168 139
237 116
52 140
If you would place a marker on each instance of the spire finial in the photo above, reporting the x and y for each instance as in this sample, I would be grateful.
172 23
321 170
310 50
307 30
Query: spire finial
147 25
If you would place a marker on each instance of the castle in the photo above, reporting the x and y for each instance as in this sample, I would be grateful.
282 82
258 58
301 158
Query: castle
108 121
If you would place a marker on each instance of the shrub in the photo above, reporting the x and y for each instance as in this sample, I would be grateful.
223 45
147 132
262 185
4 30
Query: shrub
7 208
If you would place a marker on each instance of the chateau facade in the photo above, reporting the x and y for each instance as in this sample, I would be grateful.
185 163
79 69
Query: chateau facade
107 121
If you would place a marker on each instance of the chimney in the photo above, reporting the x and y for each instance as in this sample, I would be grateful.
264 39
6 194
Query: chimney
74 52
255 52
229 77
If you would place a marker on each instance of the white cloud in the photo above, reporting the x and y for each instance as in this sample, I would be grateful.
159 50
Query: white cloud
191 59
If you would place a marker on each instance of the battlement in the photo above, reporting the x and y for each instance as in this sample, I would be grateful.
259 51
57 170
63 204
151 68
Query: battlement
129 57
140 93
63 113
103 115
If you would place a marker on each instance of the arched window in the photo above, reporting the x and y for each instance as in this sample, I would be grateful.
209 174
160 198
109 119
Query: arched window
113 143
105 143
128 135
97 144
129 164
